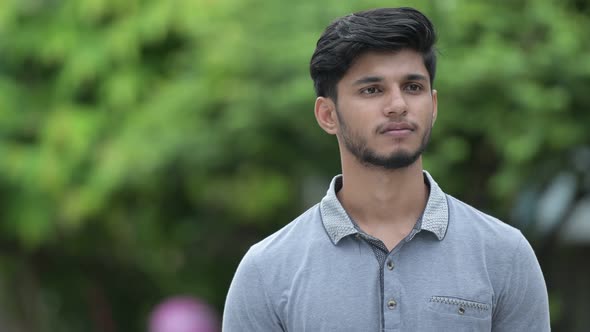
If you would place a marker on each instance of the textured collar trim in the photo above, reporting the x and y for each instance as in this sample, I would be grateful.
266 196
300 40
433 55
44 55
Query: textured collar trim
339 225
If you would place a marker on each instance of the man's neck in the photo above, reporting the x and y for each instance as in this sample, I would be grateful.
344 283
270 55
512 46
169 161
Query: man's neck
384 203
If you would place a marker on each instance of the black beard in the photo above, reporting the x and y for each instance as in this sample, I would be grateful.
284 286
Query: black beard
357 146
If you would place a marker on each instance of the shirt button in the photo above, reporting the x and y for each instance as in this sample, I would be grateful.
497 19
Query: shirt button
391 304
390 264
357 235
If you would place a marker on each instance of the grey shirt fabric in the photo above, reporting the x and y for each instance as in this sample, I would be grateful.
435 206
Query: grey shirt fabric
458 270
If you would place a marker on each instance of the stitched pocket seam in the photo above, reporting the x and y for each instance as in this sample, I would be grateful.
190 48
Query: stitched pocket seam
460 302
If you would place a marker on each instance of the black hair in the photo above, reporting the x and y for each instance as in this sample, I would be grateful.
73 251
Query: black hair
382 29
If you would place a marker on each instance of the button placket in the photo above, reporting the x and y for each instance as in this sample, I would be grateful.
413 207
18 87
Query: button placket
391 291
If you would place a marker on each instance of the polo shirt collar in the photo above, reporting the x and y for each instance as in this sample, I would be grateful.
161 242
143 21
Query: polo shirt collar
338 224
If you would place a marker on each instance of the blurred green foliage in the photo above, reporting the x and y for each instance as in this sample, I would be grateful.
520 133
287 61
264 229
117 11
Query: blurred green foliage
144 145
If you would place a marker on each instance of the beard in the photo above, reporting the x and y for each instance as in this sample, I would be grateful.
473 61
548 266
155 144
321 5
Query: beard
357 145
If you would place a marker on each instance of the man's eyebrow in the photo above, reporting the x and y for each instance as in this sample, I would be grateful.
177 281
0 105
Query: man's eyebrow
416 77
368 79
378 79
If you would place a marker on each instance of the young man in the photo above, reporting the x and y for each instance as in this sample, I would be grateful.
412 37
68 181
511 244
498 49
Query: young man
386 249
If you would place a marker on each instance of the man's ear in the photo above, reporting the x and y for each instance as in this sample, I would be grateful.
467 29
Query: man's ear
325 114
434 106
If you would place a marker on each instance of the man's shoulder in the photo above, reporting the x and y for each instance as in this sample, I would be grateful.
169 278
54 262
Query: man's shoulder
301 232
487 239
480 226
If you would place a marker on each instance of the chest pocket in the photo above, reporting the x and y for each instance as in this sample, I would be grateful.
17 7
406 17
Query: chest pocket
447 313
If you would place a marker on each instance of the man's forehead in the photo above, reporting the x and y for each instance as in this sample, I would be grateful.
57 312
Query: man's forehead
375 65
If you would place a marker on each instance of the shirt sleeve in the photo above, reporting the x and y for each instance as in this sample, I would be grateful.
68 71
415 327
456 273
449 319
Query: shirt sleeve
523 304
247 306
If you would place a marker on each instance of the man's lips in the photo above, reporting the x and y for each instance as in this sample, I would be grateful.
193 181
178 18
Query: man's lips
397 128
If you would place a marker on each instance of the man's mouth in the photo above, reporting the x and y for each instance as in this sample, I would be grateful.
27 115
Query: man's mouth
397 129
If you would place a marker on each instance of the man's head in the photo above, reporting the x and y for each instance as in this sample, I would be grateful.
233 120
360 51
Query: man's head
382 29
373 74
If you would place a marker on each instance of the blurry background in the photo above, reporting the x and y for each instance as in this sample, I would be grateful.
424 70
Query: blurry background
145 145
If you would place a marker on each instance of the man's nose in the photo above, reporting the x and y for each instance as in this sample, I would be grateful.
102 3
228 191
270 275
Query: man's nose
395 104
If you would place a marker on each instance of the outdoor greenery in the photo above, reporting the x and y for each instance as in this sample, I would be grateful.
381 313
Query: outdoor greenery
145 145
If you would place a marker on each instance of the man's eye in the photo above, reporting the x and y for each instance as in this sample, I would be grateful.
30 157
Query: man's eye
370 90
413 87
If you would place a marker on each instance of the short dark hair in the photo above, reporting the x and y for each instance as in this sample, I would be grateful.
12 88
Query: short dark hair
382 29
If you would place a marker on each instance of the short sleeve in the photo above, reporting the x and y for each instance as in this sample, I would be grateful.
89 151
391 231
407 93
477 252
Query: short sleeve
523 304
247 306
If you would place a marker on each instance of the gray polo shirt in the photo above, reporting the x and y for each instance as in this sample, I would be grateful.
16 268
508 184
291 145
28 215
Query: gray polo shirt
458 270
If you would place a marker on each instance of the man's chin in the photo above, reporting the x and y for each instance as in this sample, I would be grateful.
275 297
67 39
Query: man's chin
394 161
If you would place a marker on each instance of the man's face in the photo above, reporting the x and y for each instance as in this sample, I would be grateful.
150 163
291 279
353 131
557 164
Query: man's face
386 109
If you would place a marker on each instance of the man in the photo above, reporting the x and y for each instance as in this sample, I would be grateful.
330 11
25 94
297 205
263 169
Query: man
386 249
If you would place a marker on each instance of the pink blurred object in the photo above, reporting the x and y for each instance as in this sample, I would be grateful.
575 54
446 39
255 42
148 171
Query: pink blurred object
183 314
